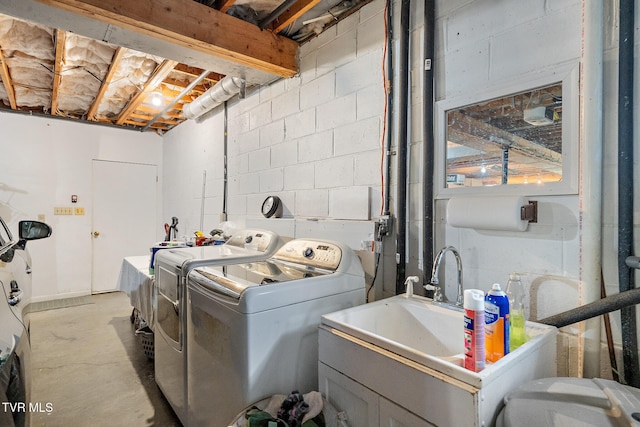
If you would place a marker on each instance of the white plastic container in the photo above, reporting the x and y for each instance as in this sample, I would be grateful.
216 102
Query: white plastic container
474 346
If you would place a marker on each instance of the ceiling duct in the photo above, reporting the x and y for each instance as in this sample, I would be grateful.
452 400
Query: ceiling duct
222 91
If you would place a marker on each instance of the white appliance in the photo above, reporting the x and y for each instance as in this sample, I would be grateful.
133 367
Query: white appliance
171 269
252 328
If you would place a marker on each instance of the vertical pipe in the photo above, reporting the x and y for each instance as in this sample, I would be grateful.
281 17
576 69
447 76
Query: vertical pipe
626 275
505 164
225 180
590 194
389 118
428 98
401 203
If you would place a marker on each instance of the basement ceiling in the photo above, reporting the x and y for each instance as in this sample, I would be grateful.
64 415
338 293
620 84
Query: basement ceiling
136 64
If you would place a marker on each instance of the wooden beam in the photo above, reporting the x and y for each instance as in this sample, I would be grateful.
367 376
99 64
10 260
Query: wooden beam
115 63
159 74
225 5
7 82
58 68
293 13
194 26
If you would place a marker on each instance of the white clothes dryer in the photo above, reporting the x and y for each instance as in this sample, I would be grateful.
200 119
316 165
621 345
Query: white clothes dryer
252 328
171 267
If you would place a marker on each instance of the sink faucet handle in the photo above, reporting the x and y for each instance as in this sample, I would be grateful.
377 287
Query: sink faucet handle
437 291
408 283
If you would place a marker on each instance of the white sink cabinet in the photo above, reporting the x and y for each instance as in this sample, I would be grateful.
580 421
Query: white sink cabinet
382 377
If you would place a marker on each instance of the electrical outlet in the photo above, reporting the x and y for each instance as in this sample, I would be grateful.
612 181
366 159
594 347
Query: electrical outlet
79 211
384 227
63 211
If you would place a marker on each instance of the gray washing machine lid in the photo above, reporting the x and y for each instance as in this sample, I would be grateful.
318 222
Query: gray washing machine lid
233 279
571 402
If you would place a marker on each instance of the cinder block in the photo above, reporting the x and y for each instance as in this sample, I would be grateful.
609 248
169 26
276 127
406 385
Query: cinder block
301 124
272 133
312 203
357 136
370 102
363 71
260 116
367 168
350 203
316 146
284 154
299 176
318 91
271 180
285 104
337 112
259 160
335 172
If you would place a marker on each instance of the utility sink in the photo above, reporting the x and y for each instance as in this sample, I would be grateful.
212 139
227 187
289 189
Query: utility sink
417 334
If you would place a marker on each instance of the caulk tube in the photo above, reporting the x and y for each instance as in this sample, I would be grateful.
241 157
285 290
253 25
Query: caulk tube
474 353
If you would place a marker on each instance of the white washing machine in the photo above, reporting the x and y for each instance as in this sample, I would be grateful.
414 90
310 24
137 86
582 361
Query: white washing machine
252 328
171 268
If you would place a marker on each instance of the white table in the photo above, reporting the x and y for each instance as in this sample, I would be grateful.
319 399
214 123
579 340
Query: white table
136 281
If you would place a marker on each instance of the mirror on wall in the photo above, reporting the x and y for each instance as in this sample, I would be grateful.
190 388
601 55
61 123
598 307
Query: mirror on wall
510 140
514 139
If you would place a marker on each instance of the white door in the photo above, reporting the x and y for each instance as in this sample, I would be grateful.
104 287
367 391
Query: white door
124 217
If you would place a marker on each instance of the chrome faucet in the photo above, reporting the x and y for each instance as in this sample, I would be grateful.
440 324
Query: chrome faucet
434 283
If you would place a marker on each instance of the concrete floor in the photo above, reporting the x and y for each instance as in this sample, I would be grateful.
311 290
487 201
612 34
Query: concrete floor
90 367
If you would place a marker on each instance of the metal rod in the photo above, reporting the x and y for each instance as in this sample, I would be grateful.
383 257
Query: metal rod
627 299
184 92
276 13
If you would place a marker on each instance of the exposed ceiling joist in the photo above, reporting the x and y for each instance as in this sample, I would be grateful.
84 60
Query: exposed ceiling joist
293 13
160 73
195 26
61 37
115 63
6 81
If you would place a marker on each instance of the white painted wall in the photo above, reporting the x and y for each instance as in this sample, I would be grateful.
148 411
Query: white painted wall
45 161
315 138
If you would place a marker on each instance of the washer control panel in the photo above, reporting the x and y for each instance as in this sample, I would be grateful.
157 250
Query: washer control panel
251 239
311 253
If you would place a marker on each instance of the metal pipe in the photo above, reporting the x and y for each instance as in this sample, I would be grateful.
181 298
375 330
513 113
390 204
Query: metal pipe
627 299
222 91
389 93
428 99
626 276
225 172
276 13
590 195
401 202
184 92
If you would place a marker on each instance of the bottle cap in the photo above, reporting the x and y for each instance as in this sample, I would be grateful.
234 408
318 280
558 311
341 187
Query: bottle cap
474 299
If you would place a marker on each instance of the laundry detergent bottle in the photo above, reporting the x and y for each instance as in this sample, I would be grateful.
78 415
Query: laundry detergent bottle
496 329
474 349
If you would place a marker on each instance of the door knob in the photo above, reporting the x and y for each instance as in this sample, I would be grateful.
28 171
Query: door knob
96 233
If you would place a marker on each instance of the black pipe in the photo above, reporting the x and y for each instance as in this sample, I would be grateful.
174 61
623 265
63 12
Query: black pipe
275 14
225 184
626 275
403 99
389 119
621 301
428 99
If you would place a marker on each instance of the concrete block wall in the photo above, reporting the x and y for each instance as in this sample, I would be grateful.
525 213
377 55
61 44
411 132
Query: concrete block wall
313 140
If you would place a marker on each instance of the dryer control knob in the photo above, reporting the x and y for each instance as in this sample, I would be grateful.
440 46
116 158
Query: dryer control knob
307 253
248 239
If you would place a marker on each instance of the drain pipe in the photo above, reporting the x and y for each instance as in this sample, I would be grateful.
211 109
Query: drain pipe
590 199
626 276
403 99
389 119
428 150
